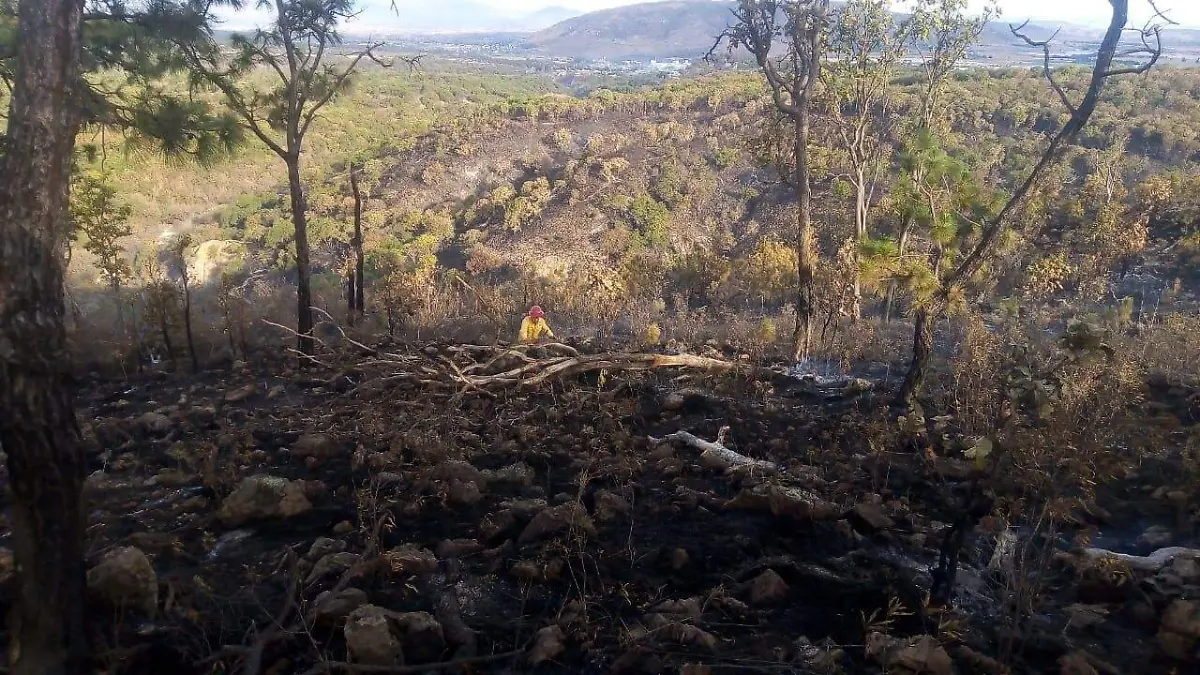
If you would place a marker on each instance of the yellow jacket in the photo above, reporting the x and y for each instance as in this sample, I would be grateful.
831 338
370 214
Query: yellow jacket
533 330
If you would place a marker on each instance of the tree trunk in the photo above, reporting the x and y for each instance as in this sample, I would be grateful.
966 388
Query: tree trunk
187 317
922 354
38 429
350 298
860 237
359 260
805 249
304 314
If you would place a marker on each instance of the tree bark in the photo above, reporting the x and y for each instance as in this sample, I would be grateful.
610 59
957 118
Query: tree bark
860 236
805 249
922 354
901 246
304 314
38 429
359 259
187 316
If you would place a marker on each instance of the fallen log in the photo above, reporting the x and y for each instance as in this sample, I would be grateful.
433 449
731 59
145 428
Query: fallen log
1147 563
715 454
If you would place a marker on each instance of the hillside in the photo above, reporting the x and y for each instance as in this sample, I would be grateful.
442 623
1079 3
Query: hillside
688 28
679 28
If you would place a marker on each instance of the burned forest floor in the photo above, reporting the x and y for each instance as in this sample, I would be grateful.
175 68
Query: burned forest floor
357 516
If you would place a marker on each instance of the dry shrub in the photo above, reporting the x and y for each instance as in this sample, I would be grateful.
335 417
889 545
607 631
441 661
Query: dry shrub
1171 347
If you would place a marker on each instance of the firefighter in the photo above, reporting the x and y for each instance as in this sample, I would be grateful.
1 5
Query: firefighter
534 327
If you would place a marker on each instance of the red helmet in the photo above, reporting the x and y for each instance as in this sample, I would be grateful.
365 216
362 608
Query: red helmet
536 312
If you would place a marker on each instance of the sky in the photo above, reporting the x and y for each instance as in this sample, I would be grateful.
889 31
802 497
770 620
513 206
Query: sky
1082 12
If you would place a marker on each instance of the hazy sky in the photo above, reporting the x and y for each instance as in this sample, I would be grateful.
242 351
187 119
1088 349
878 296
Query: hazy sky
1086 12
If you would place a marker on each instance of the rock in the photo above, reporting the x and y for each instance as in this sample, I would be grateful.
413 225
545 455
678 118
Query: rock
323 546
768 588
422 636
456 548
1084 616
869 518
1155 537
547 645
921 655
331 563
464 494
496 524
514 474
275 392
154 423
126 579
673 401
411 559
369 636
214 256
460 471
780 501
261 497
240 394
344 527
610 506
679 559
570 516
330 608
320 446
1076 663
1180 629
527 570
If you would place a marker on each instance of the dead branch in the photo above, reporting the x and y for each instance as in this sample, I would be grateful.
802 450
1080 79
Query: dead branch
715 453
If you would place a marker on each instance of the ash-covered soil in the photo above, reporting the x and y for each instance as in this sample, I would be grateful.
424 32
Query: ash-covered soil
270 519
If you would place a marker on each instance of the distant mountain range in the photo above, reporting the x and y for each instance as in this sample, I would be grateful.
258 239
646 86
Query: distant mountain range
451 16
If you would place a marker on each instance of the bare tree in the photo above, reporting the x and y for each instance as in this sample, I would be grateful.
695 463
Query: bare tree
297 49
787 40
1150 36
38 429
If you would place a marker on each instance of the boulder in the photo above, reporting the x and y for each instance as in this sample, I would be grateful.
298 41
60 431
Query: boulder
214 257
261 497
331 563
369 636
784 501
155 424
1155 537
329 608
320 446
867 517
463 494
917 656
1179 632
456 548
768 588
570 516
411 559
610 506
125 578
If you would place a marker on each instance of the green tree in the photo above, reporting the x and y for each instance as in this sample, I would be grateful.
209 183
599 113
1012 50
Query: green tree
103 220
866 45
298 51
991 229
